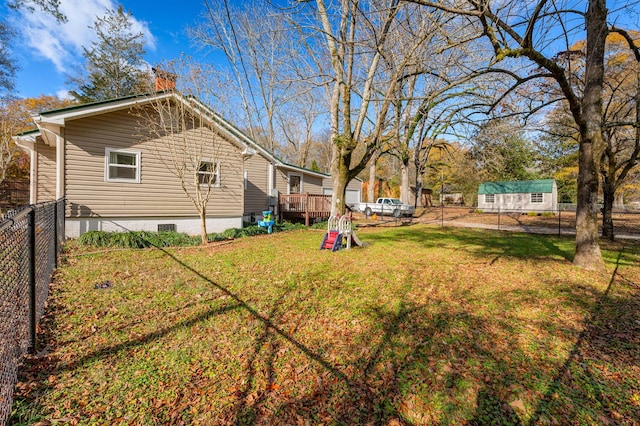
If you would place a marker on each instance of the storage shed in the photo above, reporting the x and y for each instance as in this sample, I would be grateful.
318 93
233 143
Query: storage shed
519 196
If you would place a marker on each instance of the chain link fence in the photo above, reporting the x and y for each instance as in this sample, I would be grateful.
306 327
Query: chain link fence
626 222
13 194
30 242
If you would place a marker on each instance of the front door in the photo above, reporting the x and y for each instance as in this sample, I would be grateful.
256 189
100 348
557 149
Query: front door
294 184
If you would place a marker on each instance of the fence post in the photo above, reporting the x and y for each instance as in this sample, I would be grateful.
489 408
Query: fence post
306 209
32 277
498 217
55 234
559 221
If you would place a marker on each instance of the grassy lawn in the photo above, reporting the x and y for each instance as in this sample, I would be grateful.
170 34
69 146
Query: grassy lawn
425 325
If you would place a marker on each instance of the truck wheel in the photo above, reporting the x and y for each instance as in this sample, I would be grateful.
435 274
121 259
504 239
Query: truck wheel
397 213
367 211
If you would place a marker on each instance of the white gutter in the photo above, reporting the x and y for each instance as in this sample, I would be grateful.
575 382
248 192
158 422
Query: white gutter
271 180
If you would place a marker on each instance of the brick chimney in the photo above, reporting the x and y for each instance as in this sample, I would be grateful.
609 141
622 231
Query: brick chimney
164 80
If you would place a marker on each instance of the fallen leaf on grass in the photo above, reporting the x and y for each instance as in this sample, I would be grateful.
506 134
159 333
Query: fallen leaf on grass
518 404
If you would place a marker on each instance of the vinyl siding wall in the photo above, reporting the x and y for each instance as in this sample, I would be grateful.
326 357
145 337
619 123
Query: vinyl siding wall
46 173
256 194
159 192
310 184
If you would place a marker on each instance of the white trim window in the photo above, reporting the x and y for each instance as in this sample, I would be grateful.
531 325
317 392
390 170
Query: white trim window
122 165
489 198
209 173
537 197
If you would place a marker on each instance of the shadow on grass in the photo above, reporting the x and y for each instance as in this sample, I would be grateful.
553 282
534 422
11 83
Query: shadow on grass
421 363
594 384
481 242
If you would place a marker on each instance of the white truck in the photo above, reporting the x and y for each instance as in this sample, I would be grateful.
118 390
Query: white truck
387 206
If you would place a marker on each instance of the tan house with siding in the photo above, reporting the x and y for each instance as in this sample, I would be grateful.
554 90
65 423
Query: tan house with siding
114 179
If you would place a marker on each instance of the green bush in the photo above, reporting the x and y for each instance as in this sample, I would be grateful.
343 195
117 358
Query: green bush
231 233
252 230
548 214
288 226
320 225
213 237
129 240
95 239
144 239
478 211
138 239
532 213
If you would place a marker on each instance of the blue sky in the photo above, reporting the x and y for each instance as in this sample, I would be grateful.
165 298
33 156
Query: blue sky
46 51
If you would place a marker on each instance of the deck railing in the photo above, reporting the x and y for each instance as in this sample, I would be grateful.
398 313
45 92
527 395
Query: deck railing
305 206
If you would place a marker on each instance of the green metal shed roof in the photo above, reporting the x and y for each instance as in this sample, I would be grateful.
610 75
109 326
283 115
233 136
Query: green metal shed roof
516 187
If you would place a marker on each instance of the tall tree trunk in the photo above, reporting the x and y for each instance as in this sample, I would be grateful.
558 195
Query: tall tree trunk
417 199
588 253
608 190
340 179
371 189
405 194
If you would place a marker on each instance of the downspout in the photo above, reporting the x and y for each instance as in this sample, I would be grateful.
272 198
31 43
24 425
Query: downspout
271 184
246 154
60 169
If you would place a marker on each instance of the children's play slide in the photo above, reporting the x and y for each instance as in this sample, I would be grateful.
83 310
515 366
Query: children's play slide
339 234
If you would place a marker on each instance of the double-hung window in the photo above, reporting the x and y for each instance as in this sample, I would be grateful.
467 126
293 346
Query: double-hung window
209 173
536 197
122 165
489 198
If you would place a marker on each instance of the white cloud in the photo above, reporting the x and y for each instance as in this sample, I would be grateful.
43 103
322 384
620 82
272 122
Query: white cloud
61 43
64 94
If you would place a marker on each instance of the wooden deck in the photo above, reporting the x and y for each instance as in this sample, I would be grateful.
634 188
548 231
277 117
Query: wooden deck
304 206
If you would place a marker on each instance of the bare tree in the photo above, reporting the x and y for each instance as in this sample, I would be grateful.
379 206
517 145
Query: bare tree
433 92
296 121
10 125
185 140
523 33
621 114
358 37
622 123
